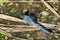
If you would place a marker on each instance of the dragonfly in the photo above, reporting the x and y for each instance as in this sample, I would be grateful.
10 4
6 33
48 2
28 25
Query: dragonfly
29 19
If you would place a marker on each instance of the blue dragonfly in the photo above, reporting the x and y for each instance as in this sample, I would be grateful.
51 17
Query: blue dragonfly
29 17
